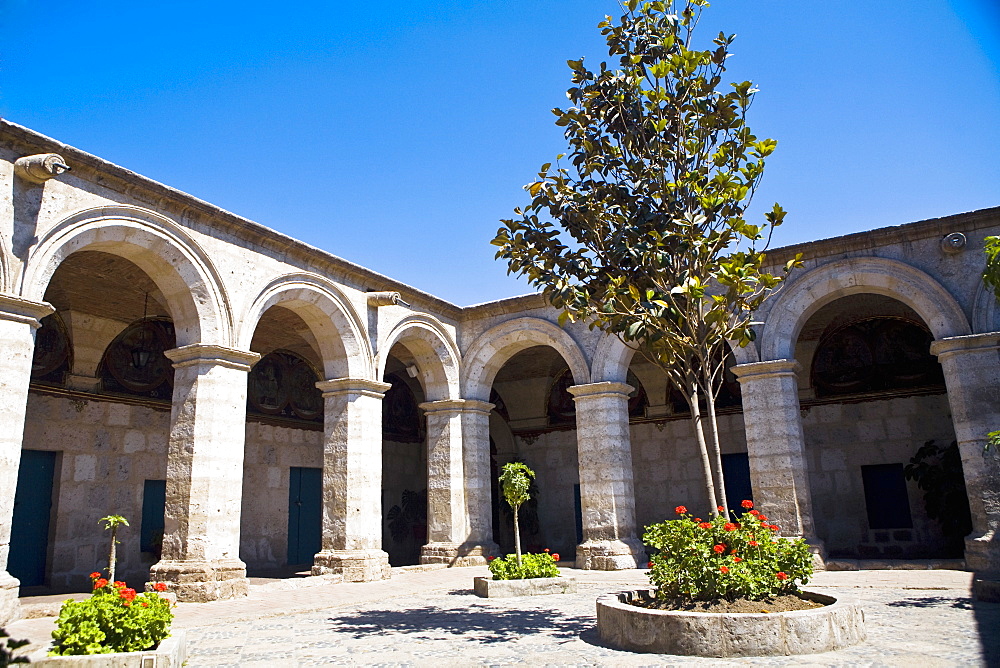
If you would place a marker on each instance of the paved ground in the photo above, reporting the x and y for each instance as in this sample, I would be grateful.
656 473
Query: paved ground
432 618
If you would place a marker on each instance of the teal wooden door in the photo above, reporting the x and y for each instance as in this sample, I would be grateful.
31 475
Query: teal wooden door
305 514
29 531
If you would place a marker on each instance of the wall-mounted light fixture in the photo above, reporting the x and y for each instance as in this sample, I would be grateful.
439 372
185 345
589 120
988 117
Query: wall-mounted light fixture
377 299
40 168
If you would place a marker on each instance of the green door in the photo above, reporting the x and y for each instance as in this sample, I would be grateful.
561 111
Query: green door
29 531
305 514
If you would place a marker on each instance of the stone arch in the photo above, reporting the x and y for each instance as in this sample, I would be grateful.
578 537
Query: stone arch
822 285
491 350
339 331
985 314
612 359
436 354
160 247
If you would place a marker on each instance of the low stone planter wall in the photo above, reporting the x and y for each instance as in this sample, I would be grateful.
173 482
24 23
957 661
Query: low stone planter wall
490 588
840 623
172 653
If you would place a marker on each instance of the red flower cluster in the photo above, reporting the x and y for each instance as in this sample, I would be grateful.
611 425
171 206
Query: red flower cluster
95 575
729 526
736 560
720 509
747 504
127 593
100 582
680 510
782 575
649 564
705 525
162 586
490 558
753 543
719 549
724 569
555 556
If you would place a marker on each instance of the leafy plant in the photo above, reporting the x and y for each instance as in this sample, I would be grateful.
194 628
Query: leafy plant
642 231
938 472
991 274
113 522
515 482
114 619
541 565
699 560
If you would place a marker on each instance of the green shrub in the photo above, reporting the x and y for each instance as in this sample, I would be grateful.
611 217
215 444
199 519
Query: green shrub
114 619
704 561
541 565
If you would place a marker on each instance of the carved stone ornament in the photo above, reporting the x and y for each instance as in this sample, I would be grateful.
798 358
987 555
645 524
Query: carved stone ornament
40 168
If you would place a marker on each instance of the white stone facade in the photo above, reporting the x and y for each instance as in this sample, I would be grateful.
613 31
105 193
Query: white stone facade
104 249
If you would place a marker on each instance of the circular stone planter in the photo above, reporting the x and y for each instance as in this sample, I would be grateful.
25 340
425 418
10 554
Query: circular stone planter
490 588
172 653
840 623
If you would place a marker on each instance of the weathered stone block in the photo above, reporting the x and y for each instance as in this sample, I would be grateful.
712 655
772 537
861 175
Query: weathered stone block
490 588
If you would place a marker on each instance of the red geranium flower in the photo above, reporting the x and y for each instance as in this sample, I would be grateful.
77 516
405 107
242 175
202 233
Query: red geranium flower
736 560
555 556
764 525
724 569
680 510
754 543
101 582
649 564
126 603
729 526
145 605
162 586
732 551
762 517
697 519
127 593
781 575
490 558
705 525
755 512
95 575
719 549
747 504
774 527
720 509
120 584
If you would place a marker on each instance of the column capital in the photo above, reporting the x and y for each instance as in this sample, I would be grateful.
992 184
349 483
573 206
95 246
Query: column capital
602 389
207 353
336 387
18 309
769 369
457 406
965 344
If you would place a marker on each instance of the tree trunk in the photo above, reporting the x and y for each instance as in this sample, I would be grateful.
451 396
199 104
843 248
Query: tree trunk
699 433
112 557
720 483
517 538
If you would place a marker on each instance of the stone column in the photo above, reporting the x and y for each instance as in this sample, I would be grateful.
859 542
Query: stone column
454 440
971 367
776 448
18 322
607 492
352 481
201 542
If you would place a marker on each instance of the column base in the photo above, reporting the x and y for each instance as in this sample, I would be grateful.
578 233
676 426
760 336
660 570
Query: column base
610 555
457 554
818 550
353 565
982 554
10 606
201 581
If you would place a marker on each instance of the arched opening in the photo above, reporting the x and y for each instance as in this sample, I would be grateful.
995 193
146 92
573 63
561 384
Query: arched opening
535 422
872 395
404 460
97 426
282 506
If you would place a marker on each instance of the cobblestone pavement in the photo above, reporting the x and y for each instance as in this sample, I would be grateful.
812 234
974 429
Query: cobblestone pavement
432 618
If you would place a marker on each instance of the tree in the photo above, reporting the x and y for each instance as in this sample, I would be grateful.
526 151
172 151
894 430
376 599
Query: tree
515 480
642 232
113 522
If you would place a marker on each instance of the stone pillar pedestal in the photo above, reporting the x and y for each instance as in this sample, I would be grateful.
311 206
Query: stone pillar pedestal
18 322
352 481
607 493
449 529
971 367
776 447
201 542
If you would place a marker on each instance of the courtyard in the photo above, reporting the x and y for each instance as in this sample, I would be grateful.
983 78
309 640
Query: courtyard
429 616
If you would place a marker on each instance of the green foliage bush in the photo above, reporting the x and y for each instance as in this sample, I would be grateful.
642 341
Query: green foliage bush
721 559
114 619
542 565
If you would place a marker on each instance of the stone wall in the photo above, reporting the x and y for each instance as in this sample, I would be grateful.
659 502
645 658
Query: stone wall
108 450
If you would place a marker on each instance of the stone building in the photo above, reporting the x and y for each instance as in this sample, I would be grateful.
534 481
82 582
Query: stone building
252 403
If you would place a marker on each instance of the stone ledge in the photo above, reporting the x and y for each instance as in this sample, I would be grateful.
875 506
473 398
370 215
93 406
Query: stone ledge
172 653
624 626
490 588
895 564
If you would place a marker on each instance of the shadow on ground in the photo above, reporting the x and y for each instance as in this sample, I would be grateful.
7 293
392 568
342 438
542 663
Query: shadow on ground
933 602
479 623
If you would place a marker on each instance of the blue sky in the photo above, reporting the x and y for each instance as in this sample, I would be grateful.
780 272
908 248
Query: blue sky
397 134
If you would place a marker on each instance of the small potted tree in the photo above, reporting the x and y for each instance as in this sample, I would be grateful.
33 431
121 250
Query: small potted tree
522 574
